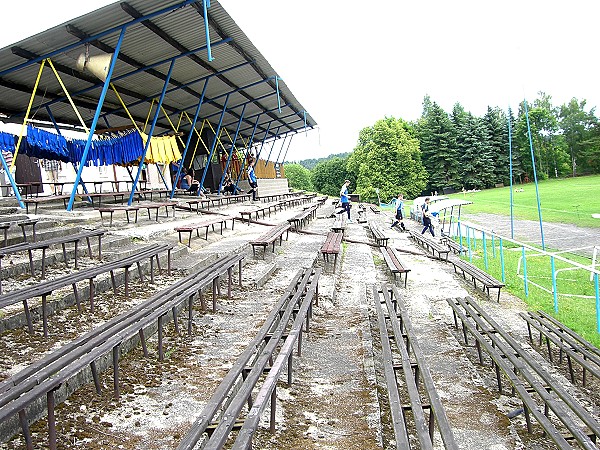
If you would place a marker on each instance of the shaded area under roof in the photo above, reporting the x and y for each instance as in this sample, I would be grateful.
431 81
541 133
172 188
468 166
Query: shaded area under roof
156 34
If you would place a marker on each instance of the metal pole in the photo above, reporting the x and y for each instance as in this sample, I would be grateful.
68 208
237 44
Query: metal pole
187 144
12 181
525 273
150 132
502 261
597 302
205 6
485 258
510 165
537 192
86 150
237 132
272 146
554 291
243 165
264 139
469 243
213 146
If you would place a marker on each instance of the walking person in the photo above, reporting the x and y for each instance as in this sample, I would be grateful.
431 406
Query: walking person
427 225
345 200
399 204
52 167
252 179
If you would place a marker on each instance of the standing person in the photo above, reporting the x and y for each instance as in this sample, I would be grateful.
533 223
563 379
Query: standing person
426 218
252 178
399 203
345 199
51 167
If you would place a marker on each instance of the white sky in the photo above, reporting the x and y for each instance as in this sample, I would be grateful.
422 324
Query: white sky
351 63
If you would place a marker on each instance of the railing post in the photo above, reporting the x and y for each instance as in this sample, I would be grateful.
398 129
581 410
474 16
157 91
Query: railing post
502 261
525 273
554 292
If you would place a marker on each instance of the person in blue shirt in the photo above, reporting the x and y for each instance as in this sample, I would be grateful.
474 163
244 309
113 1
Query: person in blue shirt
345 199
399 204
252 179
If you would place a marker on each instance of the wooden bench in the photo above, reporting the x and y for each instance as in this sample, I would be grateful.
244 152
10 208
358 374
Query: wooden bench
221 220
59 366
453 245
45 288
332 246
265 208
380 239
569 344
157 206
48 199
375 209
270 237
487 281
300 219
394 263
112 209
339 224
430 245
44 245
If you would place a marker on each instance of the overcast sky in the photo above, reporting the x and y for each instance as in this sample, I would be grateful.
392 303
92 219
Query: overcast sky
351 63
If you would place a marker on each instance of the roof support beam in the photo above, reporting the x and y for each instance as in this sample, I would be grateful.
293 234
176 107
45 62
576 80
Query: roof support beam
237 132
108 32
158 106
240 51
134 72
189 138
213 146
173 42
95 121
182 86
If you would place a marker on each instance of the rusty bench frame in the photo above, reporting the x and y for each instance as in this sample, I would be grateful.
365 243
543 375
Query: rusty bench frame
45 289
43 377
332 246
394 263
222 220
270 237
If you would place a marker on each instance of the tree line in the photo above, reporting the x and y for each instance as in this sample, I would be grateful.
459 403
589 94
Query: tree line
450 151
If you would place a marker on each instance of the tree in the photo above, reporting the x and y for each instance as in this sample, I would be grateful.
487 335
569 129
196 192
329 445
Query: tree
496 124
576 126
298 177
328 176
387 157
438 146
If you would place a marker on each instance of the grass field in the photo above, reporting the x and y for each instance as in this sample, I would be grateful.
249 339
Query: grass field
576 302
569 200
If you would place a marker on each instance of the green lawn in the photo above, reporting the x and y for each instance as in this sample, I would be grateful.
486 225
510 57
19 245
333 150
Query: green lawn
576 302
569 200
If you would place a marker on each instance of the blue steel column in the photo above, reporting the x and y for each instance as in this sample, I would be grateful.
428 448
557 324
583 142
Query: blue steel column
282 145
597 302
554 291
187 144
248 147
150 132
12 181
214 145
237 132
272 146
286 150
86 150
537 192
264 139
205 6
510 165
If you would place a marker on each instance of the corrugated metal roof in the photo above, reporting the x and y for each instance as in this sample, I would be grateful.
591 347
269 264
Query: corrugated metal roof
178 29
